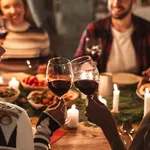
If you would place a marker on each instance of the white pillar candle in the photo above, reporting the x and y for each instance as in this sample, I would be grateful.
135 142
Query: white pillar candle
73 116
13 83
146 101
116 93
101 99
1 80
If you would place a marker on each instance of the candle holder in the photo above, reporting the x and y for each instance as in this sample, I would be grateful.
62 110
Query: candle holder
115 112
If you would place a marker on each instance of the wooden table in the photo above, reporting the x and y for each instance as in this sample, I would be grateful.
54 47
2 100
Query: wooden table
84 137
89 138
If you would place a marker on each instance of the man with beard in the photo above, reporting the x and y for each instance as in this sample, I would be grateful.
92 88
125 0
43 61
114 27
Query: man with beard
125 40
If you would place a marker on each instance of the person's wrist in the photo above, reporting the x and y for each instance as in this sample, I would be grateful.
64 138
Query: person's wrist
53 125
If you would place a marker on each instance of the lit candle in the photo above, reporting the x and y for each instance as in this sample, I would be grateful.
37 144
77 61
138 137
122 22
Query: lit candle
116 94
73 116
1 80
102 100
146 101
13 83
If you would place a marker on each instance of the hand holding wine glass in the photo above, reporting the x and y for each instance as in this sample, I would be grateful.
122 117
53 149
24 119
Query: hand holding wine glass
59 76
93 47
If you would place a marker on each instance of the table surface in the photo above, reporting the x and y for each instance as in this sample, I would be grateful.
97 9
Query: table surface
84 137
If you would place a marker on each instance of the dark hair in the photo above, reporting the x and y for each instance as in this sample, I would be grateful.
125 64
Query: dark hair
28 15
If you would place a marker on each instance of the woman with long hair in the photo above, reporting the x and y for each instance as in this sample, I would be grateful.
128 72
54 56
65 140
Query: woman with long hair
24 39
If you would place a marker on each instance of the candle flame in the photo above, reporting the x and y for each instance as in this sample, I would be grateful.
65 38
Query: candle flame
147 90
73 106
115 87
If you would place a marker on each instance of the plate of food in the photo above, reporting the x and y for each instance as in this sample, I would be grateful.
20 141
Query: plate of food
9 94
141 88
42 99
126 78
36 82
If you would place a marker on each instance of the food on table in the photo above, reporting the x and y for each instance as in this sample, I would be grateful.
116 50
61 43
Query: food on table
143 87
45 97
7 92
70 95
38 80
42 69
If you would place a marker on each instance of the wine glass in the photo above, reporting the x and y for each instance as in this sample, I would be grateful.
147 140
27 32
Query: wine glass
86 75
3 29
59 77
93 47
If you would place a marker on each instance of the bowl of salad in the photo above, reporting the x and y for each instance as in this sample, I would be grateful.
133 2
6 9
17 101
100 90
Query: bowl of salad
9 94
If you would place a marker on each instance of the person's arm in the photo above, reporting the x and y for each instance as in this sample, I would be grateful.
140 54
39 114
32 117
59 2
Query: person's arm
88 32
147 140
146 72
50 120
138 141
24 133
81 47
105 120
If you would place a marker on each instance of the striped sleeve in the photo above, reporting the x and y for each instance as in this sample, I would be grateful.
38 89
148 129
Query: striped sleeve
44 130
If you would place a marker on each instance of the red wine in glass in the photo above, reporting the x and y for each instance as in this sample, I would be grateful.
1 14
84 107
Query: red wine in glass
88 87
59 77
3 34
86 75
3 30
59 86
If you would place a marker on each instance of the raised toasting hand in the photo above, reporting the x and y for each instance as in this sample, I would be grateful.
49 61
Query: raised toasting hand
99 114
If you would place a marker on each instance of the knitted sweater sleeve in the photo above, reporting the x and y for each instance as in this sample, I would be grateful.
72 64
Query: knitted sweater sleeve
44 130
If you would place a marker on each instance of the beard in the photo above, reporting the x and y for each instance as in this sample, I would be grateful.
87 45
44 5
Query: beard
122 15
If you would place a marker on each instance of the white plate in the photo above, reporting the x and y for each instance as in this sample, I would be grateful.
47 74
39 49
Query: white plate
139 95
141 89
125 78
70 99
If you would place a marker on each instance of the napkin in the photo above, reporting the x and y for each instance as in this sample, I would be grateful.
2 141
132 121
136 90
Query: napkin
57 135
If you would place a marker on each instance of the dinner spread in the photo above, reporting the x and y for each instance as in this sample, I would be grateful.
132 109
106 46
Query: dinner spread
9 94
42 97
35 80
143 87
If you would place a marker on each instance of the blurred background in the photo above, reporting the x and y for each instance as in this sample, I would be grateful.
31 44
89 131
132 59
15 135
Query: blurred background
72 16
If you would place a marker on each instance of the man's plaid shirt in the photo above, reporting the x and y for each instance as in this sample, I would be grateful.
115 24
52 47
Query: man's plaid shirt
102 29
